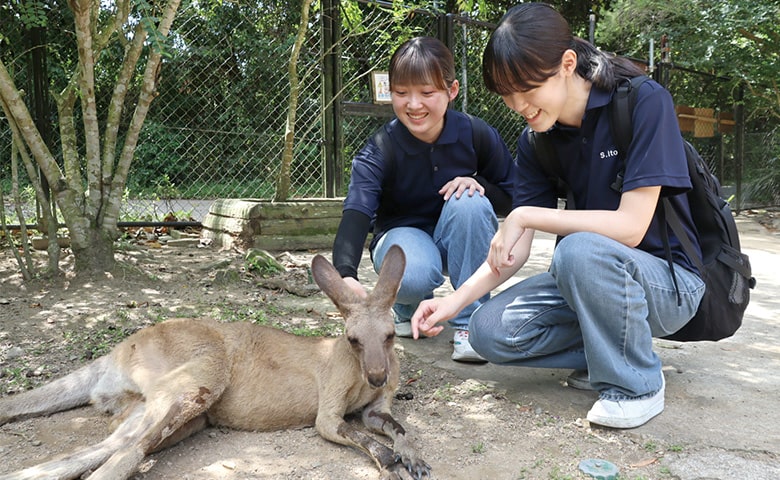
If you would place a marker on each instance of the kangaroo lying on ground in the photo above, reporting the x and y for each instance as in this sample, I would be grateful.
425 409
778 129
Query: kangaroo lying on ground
168 381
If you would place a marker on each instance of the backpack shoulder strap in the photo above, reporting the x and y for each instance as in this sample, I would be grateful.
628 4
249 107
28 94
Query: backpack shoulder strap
621 111
382 140
480 133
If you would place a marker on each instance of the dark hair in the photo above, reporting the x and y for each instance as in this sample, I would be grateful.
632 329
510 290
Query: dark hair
422 60
527 46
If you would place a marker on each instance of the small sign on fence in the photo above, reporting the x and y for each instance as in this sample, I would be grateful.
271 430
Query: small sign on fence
380 86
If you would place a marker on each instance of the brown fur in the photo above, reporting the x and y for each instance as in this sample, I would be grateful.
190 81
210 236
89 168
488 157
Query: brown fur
171 380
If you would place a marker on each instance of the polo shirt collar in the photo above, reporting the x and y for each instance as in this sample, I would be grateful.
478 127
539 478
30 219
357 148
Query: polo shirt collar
597 98
412 145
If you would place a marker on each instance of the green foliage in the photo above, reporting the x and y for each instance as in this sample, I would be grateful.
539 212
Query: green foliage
478 448
149 20
262 262
261 317
31 13
627 27
444 393
16 378
158 155
739 40
764 183
327 330
245 314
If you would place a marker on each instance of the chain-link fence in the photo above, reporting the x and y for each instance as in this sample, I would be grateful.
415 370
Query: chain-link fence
216 129
362 54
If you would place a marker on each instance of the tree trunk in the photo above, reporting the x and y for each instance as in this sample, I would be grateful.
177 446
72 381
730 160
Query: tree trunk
283 181
91 214
97 256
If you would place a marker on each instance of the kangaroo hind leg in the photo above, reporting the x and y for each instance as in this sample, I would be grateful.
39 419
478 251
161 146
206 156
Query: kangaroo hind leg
84 459
174 409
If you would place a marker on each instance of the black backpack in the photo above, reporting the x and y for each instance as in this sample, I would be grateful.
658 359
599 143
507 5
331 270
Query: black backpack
724 268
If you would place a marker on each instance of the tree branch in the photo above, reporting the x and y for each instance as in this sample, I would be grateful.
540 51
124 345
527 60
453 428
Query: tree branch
147 94
82 12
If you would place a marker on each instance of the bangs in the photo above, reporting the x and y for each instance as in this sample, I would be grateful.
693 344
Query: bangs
525 49
416 69
508 75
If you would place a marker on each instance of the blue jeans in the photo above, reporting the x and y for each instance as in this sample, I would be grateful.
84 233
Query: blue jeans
598 308
457 246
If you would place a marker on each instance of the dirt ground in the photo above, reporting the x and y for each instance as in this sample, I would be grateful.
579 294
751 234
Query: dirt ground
466 429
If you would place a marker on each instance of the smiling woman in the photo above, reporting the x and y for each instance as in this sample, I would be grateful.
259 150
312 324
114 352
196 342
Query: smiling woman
600 325
429 193
422 85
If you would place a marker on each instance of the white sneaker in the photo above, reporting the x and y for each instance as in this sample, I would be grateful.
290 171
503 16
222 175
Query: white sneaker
462 350
627 413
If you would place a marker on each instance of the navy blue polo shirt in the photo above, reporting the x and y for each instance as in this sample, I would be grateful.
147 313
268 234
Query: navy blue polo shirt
590 163
404 191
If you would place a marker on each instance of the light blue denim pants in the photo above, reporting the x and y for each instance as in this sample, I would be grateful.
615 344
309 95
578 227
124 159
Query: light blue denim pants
598 308
457 246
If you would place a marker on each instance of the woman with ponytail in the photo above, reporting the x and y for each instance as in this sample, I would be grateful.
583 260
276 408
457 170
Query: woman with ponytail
608 290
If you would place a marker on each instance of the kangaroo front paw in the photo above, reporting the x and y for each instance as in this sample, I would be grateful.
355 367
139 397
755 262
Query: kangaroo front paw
416 467
399 471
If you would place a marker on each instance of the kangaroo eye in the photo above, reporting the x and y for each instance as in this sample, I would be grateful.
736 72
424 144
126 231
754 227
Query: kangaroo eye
354 341
390 337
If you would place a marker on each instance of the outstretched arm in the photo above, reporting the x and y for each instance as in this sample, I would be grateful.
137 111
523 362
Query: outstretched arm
432 312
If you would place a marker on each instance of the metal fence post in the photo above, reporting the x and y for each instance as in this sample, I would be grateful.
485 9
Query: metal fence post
330 87
739 143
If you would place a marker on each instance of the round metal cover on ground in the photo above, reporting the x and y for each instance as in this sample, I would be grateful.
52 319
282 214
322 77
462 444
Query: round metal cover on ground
599 469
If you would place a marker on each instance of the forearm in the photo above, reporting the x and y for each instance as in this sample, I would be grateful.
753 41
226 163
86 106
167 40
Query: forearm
628 224
485 279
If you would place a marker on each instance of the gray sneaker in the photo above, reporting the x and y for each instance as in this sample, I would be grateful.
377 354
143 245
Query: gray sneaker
579 379
462 349
403 327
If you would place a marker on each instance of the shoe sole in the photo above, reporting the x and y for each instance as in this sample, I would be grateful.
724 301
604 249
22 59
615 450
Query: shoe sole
467 358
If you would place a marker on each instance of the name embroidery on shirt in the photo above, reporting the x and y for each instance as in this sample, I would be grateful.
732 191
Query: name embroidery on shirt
609 154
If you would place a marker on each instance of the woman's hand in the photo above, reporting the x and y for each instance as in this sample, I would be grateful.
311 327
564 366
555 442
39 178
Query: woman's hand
356 287
458 185
500 255
429 314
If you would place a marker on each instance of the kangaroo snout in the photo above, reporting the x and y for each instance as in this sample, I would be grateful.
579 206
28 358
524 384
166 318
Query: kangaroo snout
377 378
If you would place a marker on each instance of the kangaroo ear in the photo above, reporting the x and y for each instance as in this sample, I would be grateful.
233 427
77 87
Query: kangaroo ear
329 280
393 266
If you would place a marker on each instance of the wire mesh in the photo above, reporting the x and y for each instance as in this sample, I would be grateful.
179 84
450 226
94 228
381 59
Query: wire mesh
217 126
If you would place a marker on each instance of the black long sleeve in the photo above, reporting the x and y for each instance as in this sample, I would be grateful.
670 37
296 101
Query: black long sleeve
349 242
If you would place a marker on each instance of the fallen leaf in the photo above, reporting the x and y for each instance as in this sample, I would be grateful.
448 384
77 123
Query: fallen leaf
644 463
